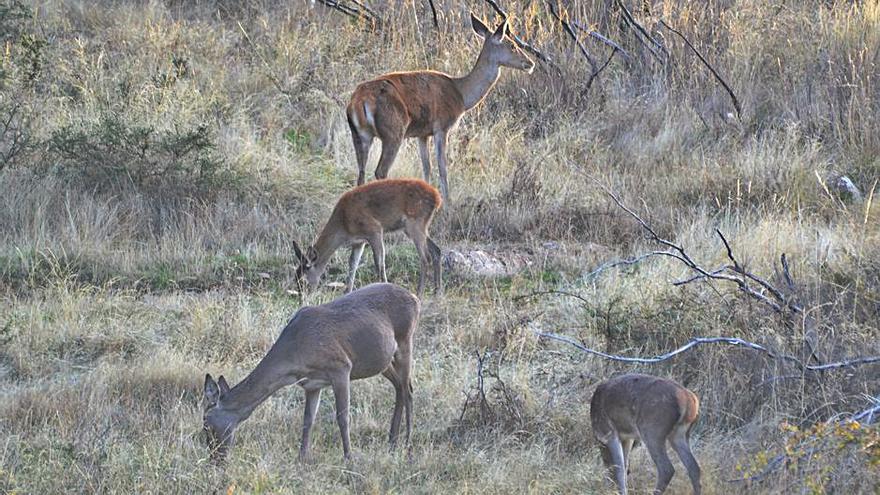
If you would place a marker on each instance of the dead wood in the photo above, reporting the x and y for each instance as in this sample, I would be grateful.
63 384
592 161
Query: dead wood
747 282
697 341
714 72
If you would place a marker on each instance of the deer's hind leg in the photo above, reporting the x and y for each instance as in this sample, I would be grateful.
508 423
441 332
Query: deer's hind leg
416 231
341 384
656 446
681 445
399 376
354 260
436 259
614 460
363 141
391 126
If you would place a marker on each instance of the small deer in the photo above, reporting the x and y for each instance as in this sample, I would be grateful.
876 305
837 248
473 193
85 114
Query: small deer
363 215
425 104
630 408
359 335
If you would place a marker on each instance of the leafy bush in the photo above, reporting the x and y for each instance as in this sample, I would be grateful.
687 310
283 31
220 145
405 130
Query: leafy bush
111 154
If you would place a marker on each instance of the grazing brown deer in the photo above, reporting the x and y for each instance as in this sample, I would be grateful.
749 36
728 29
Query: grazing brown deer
359 335
426 103
363 215
630 408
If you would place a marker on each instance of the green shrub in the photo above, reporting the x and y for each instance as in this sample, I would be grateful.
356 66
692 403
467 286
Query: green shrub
111 154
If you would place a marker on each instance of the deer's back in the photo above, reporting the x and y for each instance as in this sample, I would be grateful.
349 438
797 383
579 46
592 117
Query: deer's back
363 328
633 402
429 99
386 202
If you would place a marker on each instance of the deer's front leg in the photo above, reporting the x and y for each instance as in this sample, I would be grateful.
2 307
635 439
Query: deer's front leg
313 398
440 147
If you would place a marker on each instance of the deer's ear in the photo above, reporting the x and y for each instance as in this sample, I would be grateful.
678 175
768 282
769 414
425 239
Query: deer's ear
297 252
224 387
479 27
312 255
212 390
501 30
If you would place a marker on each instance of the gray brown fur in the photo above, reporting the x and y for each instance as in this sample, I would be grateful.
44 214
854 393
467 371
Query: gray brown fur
359 335
631 408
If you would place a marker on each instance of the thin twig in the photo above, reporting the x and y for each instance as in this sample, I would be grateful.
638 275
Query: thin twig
522 43
715 73
434 14
642 32
602 38
567 28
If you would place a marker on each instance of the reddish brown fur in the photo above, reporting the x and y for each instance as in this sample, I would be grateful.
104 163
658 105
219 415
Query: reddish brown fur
382 201
363 215
426 104
421 102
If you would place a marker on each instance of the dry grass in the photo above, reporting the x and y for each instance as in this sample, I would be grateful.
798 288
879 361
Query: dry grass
175 149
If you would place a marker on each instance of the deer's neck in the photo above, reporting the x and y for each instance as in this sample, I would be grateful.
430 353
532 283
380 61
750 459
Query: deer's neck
327 243
474 86
270 375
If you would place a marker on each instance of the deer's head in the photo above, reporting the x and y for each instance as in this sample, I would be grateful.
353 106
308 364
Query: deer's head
307 265
219 425
500 46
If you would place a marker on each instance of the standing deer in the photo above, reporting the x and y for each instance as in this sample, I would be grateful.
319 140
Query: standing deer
426 104
363 215
359 335
630 408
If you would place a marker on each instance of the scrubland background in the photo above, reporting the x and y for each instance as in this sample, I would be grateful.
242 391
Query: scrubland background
157 159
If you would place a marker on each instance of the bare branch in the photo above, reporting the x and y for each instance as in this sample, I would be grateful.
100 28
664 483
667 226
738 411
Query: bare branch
434 14
567 27
642 34
362 11
600 37
696 341
519 41
715 73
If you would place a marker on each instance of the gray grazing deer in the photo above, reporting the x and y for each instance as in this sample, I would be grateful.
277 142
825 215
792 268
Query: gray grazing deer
359 335
630 408
425 104
362 215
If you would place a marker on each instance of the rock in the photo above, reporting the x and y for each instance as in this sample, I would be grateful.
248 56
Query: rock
482 264
845 188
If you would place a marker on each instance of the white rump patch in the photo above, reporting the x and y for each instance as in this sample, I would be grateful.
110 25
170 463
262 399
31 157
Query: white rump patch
369 114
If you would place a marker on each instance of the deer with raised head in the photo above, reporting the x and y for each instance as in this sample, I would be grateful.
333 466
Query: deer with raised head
631 408
363 215
359 335
426 104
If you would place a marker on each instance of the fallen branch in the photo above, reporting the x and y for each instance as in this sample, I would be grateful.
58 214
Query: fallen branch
735 272
696 341
715 73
